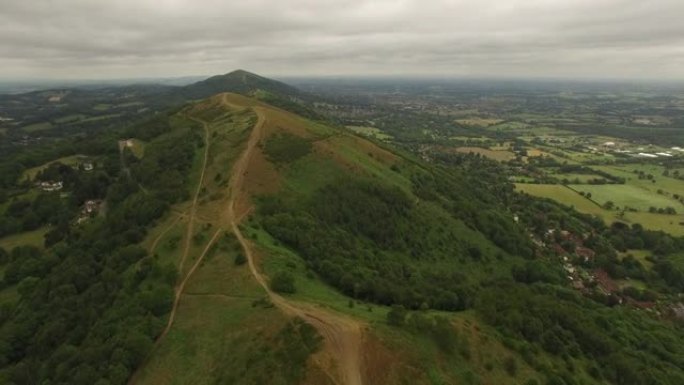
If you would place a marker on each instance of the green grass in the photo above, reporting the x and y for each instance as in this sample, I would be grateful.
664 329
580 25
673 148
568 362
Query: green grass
42 126
626 196
72 160
370 131
559 193
100 117
33 238
70 118
219 332
667 184
641 256
667 223
309 287
562 194
209 333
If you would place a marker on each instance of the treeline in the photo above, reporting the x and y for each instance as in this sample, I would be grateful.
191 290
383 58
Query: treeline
90 307
620 346
372 243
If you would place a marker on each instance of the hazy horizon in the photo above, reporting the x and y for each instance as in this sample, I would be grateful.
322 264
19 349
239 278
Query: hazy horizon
605 39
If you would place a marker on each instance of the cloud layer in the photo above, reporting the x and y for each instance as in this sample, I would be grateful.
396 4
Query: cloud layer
149 38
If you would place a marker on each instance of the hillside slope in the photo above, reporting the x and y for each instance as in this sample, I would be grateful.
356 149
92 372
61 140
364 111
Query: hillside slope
250 245
406 268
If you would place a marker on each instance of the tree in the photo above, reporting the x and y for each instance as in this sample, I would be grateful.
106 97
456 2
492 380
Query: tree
240 259
609 205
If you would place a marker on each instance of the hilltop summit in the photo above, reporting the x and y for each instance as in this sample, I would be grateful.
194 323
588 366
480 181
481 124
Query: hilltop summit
240 82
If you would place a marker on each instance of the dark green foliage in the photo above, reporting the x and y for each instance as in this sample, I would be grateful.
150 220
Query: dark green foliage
373 243
240 259
437 328
538 271
166 165
286 148
629 346
397 315
283 282
91 306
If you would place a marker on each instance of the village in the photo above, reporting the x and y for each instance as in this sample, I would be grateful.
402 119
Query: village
580 266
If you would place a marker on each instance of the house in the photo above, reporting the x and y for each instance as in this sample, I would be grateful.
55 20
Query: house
678 311
91 206
88 166
51 186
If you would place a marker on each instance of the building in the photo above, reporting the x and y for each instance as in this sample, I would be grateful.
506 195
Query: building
51 186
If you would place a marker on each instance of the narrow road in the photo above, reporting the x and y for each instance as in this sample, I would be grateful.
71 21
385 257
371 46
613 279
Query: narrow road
343 335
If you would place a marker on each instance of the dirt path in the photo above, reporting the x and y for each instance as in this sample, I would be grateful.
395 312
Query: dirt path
156 241
343 335
193 207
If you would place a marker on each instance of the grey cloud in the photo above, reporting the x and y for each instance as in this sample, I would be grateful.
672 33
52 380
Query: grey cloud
128 38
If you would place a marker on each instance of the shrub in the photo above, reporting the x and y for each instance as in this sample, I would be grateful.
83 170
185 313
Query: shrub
283 282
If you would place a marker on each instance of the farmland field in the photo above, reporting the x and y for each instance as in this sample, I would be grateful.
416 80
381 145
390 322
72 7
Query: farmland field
667 223
562 194
370 131
33 238
626 196
37 127
67 160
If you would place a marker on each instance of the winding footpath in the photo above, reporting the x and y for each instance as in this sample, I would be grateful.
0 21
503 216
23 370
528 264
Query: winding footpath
343 336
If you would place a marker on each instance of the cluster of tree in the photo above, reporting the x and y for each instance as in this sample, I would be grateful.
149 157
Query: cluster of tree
44 209
627 346
438 328
91 306
475 190
623 237
373 243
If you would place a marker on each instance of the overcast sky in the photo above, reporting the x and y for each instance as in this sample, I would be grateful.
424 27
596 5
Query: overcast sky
78 39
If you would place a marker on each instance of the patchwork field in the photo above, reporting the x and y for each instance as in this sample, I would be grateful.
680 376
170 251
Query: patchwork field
562 194
370 131
626 196
668 223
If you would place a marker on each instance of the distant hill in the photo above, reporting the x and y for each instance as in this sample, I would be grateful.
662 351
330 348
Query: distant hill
239 82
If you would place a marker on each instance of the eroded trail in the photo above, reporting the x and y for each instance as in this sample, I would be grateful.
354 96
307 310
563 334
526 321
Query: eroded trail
186 250
188 235
343 335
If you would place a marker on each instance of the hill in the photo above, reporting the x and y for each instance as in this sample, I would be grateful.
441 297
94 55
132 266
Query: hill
408 269
240 82
249 244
